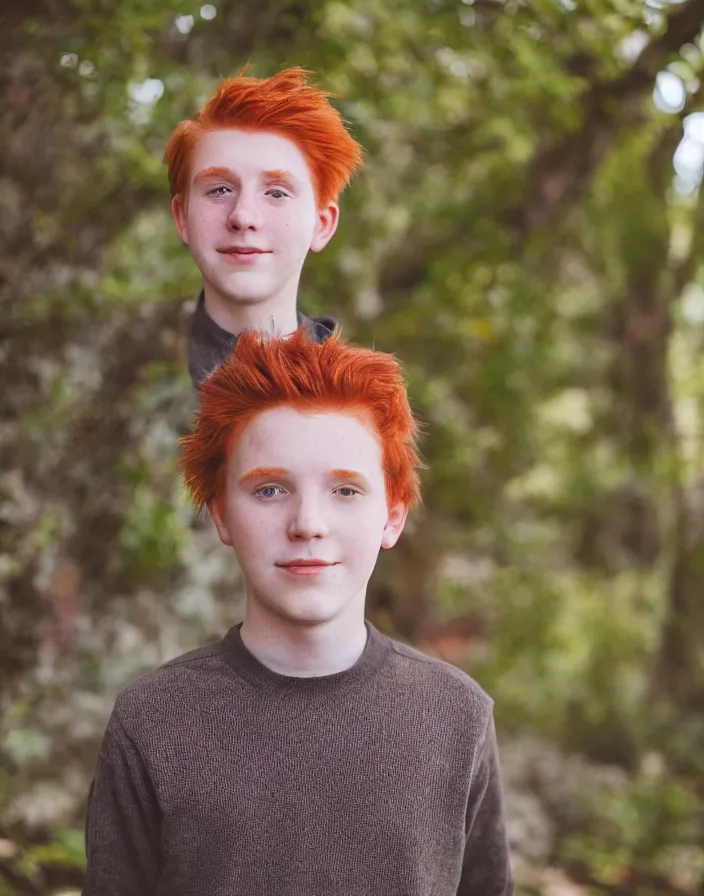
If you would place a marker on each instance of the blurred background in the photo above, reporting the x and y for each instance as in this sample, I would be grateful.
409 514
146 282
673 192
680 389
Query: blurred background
527 236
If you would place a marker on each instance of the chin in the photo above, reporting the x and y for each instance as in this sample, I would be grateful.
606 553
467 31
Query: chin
246 286
309 616
308 620
310 610
243 294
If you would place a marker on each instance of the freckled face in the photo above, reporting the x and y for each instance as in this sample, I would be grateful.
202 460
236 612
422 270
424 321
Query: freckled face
305 510
251 216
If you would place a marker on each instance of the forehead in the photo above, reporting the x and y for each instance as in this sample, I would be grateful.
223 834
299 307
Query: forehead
309 442
248 152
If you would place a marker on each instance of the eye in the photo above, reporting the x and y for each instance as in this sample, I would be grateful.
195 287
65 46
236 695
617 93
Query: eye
278 194
269 491
346 491
216 191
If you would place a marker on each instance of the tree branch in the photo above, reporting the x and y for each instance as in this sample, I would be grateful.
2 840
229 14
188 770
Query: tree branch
563 169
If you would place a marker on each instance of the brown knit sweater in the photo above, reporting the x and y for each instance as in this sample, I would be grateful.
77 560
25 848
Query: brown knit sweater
219 777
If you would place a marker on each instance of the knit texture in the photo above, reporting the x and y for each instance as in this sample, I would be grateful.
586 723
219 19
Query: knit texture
219 777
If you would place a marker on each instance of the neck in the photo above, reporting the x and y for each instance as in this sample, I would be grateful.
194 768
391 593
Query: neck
304 651
276 316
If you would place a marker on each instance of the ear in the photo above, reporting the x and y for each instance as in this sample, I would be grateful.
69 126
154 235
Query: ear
216 509
395 522
178 213
325 227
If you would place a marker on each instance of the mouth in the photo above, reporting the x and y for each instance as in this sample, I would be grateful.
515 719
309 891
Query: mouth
307 567
243 250
242 256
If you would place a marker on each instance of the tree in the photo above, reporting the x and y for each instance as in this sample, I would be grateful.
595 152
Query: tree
516 238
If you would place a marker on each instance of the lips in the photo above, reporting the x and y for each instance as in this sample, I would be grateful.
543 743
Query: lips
242 256
243 250
303 563
305 568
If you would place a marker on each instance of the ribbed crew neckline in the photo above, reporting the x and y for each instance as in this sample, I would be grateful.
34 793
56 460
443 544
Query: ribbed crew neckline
248 667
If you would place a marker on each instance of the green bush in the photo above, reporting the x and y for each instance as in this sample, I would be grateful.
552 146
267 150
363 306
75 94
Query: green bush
645 836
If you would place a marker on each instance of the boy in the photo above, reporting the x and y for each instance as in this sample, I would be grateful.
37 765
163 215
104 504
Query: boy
305 754
255 178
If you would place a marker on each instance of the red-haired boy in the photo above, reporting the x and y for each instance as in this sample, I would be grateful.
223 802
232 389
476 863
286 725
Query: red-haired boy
304 754
255 178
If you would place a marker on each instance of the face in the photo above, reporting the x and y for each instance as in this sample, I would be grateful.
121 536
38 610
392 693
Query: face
307 525
250 216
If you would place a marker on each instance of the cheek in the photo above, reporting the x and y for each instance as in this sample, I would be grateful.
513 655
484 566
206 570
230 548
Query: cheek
200 224
250 530
361 528
202 217
296 231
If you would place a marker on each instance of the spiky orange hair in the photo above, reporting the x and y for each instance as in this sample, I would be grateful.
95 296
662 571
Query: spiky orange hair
266 372
284 104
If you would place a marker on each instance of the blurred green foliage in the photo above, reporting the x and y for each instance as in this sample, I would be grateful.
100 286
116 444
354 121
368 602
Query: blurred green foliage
643 837
521 239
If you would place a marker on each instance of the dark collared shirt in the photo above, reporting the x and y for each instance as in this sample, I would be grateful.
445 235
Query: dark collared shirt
209 345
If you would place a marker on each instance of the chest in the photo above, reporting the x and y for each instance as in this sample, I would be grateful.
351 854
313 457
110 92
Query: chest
335 798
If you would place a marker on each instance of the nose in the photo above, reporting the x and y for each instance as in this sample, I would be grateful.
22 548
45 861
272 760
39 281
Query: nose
244 214
308 520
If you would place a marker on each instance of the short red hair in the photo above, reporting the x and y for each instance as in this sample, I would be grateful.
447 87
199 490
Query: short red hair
284 104
265 372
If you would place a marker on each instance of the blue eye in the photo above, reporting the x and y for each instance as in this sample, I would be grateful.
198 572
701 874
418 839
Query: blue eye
215 191
268 491
278 194
350 492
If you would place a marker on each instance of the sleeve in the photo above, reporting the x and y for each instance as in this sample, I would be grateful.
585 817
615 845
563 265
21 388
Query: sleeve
486 868
123 823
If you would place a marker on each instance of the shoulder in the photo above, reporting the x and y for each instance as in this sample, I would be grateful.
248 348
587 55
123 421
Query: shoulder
441 681
183 679
320 328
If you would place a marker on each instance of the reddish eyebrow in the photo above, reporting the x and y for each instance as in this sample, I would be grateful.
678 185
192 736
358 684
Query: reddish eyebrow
214 172
280 174
263 473
348 474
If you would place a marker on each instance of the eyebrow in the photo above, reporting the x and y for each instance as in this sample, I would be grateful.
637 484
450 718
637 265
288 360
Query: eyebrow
277 472
275 174
214 172
280 174
353 475
262 473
